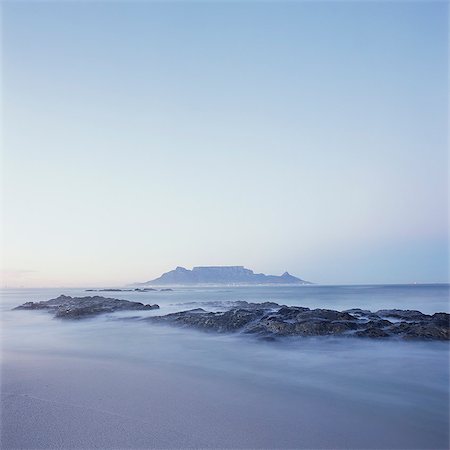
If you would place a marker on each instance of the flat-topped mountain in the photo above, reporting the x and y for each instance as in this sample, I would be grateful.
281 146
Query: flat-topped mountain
222 275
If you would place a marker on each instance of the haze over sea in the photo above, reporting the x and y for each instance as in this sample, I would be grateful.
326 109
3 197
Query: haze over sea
113 383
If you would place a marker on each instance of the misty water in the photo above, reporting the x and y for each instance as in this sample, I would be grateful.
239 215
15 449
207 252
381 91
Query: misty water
238 391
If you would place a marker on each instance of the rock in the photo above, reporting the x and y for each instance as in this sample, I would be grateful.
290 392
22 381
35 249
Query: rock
66 307
228 321
420 330
441 319
378 323
269 321
372 332
264 305
361 313
321 327
327 314
358 311
401 314
273 326
291 312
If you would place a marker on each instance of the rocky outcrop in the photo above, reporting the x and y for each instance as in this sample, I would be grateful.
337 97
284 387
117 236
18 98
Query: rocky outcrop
270 320
221 275
66 307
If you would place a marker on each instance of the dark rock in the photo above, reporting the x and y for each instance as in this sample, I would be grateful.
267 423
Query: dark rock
272 325
66 307
358 311
441 319
264 305
372 332
402 314
268 319
31 305
377 323
421 330
362 313
327 314
291 312
228 321
321 327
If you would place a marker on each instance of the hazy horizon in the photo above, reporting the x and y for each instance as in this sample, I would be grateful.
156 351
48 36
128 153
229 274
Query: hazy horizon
137 282
302 137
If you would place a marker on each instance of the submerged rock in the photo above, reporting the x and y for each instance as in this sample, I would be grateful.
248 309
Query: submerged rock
66 307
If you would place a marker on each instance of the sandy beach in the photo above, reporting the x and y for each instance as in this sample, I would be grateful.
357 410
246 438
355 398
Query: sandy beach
61 402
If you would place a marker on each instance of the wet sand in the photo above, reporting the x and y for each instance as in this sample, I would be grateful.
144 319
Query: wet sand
69 402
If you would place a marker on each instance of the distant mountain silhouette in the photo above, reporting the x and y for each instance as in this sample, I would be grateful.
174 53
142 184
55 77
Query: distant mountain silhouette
222 275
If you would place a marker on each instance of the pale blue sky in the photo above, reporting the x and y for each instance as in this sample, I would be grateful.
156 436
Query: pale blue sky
308 137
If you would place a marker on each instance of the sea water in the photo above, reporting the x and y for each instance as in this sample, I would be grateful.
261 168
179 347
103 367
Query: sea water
323 392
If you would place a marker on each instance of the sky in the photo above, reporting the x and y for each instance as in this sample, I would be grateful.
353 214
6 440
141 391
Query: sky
301 136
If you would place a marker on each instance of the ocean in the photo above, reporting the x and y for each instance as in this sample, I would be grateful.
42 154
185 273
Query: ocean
108 382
